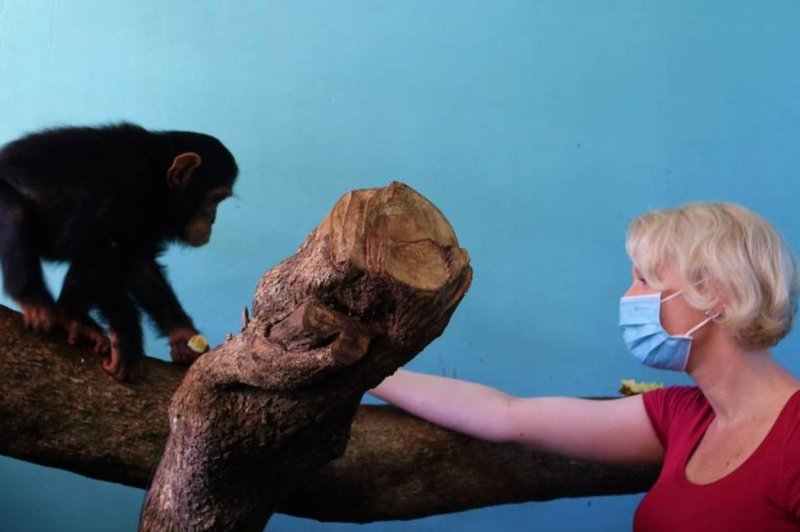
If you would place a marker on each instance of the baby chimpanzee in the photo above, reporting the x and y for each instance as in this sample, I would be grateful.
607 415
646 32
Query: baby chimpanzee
108 200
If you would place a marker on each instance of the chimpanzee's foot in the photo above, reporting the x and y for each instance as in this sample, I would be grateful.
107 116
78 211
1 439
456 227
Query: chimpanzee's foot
124 368
86 329
38 316
43 317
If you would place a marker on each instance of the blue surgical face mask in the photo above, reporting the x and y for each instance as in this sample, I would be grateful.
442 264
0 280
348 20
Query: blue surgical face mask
646 339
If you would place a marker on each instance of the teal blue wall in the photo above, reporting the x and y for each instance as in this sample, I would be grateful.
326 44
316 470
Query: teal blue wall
538 127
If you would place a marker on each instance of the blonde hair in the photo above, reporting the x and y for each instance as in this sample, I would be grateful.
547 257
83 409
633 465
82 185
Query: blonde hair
726 257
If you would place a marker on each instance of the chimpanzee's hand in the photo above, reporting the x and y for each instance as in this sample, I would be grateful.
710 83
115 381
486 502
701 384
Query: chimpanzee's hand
180 351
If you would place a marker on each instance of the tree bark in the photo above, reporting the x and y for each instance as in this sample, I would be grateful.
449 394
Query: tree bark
254 420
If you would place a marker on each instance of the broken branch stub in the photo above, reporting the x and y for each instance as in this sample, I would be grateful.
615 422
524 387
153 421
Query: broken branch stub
370 287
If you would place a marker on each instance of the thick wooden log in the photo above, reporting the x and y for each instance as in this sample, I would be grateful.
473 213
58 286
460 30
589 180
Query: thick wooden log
256 418
370 287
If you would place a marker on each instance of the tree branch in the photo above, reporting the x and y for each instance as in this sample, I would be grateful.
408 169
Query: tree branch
257 418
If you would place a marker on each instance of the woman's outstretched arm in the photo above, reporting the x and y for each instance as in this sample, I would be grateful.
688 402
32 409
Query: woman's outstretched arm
614 430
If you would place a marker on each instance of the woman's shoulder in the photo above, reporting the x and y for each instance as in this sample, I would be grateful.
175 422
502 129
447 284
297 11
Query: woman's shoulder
675 398
675 408
789 419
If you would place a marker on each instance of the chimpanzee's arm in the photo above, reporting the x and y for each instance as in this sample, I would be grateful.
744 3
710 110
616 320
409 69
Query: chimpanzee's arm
154 294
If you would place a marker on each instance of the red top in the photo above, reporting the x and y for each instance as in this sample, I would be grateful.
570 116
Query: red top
763 493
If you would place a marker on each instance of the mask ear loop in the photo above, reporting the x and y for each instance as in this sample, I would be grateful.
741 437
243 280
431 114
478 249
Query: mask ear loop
672 296
679 292
697 327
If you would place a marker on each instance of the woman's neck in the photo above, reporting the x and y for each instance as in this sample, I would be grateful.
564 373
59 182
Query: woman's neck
738 381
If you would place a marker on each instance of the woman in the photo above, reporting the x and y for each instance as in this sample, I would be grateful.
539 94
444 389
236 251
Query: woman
714 288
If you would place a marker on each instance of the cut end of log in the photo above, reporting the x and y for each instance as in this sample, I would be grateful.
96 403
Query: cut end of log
396 231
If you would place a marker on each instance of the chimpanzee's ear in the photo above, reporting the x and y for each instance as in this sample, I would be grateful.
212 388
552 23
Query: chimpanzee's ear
182 170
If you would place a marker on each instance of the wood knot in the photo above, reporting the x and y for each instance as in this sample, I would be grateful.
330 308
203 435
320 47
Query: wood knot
313 325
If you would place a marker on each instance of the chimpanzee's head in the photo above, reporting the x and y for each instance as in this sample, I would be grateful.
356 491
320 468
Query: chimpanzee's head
201 175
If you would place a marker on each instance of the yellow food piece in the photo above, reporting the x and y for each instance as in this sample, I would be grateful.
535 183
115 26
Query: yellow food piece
631 387
198 343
